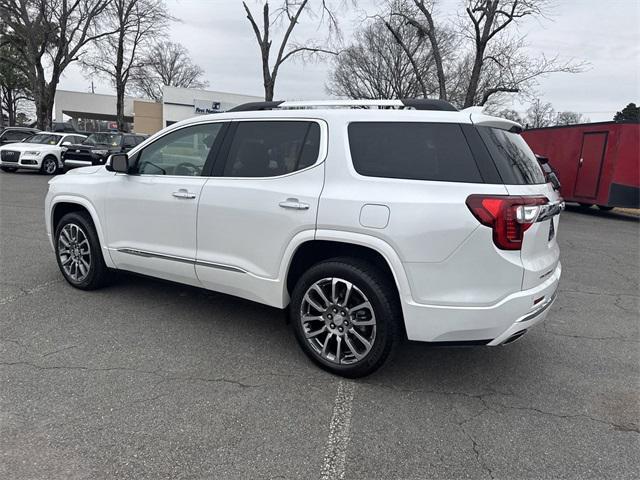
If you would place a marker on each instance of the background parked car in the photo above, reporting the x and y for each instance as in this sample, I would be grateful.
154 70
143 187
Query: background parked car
15 134
97 147
42 151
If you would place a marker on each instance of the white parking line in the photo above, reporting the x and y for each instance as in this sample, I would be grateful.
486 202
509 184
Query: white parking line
333 465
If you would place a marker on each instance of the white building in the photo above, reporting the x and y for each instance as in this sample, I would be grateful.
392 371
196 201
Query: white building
146 116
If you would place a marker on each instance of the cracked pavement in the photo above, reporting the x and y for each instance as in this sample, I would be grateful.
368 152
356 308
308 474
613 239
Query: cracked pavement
147 379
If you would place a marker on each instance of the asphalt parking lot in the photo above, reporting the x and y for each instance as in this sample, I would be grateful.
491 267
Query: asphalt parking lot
146 379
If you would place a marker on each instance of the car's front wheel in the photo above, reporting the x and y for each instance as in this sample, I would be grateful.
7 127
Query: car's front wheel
345 316
49 165
78 252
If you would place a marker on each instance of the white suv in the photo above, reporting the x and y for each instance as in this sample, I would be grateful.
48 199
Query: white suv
368 220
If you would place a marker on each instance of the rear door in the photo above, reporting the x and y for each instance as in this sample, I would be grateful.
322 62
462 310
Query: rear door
523 175
590 164
264 192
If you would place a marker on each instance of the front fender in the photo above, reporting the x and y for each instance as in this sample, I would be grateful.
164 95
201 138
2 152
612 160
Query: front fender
50 205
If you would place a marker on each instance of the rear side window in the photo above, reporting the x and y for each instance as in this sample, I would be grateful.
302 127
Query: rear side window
514 160
272 148
412 150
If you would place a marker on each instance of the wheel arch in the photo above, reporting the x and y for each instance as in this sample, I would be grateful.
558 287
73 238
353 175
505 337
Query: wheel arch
330 244
66 204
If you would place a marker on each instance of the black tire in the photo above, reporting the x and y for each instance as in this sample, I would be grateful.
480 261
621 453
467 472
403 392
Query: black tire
585 205
8 169
98 273
49 165
381 294
605 208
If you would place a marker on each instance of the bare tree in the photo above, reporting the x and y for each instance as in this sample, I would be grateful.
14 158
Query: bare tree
115 57
49 35
375 66
166 63
479 59
540 114
291 12
512 115
570 118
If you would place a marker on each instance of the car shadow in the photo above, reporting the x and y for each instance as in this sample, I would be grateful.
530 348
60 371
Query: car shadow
596 212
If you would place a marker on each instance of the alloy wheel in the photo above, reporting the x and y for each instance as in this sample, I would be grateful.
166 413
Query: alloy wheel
50 166
338 321
74 252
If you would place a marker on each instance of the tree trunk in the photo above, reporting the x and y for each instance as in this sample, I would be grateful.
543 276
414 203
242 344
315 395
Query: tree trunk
1 113
474 80
44 98
120 105
268 91
11 107
119 83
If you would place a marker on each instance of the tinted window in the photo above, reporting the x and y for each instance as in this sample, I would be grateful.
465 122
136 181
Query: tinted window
513 158
109 139
182 152
411 150
129 142
139 139
269 149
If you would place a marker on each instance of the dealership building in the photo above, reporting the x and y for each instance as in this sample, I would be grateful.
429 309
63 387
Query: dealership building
143 115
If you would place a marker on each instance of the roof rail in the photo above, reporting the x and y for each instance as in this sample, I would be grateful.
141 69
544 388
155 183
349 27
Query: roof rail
253 106
410 103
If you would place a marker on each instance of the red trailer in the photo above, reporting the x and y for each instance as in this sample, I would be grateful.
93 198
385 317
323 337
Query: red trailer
597 163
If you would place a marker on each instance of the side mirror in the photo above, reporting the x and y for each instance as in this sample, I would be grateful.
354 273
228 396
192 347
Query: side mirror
119 163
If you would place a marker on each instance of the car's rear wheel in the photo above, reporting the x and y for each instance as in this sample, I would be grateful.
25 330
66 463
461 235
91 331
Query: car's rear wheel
8 169
78 252
49 165
345 316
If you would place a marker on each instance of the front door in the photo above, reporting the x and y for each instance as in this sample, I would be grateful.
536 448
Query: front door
151 213
260 198
590 164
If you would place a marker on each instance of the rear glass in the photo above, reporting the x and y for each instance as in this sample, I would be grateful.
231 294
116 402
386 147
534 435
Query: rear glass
514 160
412 150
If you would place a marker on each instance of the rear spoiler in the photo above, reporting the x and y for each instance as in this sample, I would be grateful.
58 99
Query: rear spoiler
478 118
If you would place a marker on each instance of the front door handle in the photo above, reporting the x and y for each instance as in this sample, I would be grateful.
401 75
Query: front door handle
294 204
184 193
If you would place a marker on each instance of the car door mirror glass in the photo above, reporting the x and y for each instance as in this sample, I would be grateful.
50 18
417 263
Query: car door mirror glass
120 163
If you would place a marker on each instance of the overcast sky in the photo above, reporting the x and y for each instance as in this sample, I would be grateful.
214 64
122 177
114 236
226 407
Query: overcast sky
604 33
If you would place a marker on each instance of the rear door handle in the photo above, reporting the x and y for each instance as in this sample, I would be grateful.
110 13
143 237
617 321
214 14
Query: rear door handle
294 204
184 193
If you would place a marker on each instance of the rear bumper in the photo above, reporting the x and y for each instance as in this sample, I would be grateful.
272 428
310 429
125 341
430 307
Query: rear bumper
493 324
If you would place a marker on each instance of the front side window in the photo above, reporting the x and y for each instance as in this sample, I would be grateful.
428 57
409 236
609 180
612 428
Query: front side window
514 160
182 152
272 148
104 139
413 151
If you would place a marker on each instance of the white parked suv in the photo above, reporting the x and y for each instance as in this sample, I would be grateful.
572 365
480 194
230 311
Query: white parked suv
42 151
368 220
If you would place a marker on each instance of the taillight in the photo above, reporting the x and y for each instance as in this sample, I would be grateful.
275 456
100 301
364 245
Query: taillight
508 216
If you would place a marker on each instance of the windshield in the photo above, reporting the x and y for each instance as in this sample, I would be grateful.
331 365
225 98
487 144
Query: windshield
43 139
514 159
111 139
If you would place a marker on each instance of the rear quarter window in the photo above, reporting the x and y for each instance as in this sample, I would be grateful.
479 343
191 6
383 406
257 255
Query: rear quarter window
412 150
516 163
